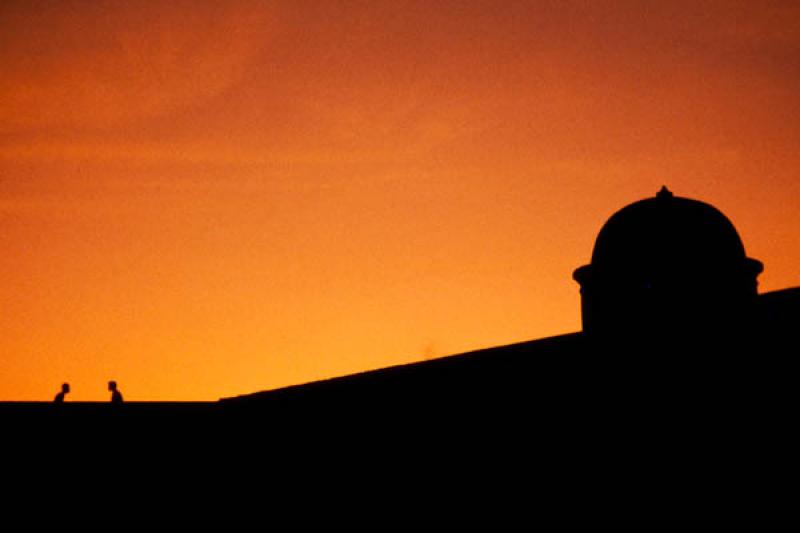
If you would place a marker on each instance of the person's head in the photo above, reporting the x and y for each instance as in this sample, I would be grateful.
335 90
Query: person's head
65 388
112 385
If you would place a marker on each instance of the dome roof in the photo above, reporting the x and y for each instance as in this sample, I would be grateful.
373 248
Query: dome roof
669 266
668 235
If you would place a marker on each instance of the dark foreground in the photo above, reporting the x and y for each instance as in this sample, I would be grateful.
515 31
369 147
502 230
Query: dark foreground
579 439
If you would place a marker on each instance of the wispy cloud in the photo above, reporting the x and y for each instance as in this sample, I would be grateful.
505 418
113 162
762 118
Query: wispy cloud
100 64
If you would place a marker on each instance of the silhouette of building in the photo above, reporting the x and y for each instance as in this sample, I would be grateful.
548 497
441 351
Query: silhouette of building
671 320
669 302
677 397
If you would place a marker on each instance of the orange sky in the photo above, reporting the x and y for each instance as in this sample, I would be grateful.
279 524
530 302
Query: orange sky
201 199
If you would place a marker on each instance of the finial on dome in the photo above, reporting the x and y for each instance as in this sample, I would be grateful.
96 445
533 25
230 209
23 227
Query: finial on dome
664 193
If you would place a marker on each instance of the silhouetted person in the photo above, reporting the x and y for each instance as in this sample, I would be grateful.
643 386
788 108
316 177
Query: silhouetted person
64 391
116 396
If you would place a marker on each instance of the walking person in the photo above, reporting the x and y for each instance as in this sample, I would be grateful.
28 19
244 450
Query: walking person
116 395
64 391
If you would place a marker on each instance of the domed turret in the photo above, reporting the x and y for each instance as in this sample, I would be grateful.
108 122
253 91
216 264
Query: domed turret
666 263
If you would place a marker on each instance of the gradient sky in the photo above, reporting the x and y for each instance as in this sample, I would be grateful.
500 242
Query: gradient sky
201 199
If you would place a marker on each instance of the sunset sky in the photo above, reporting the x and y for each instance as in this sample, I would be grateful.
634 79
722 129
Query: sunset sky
202 199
